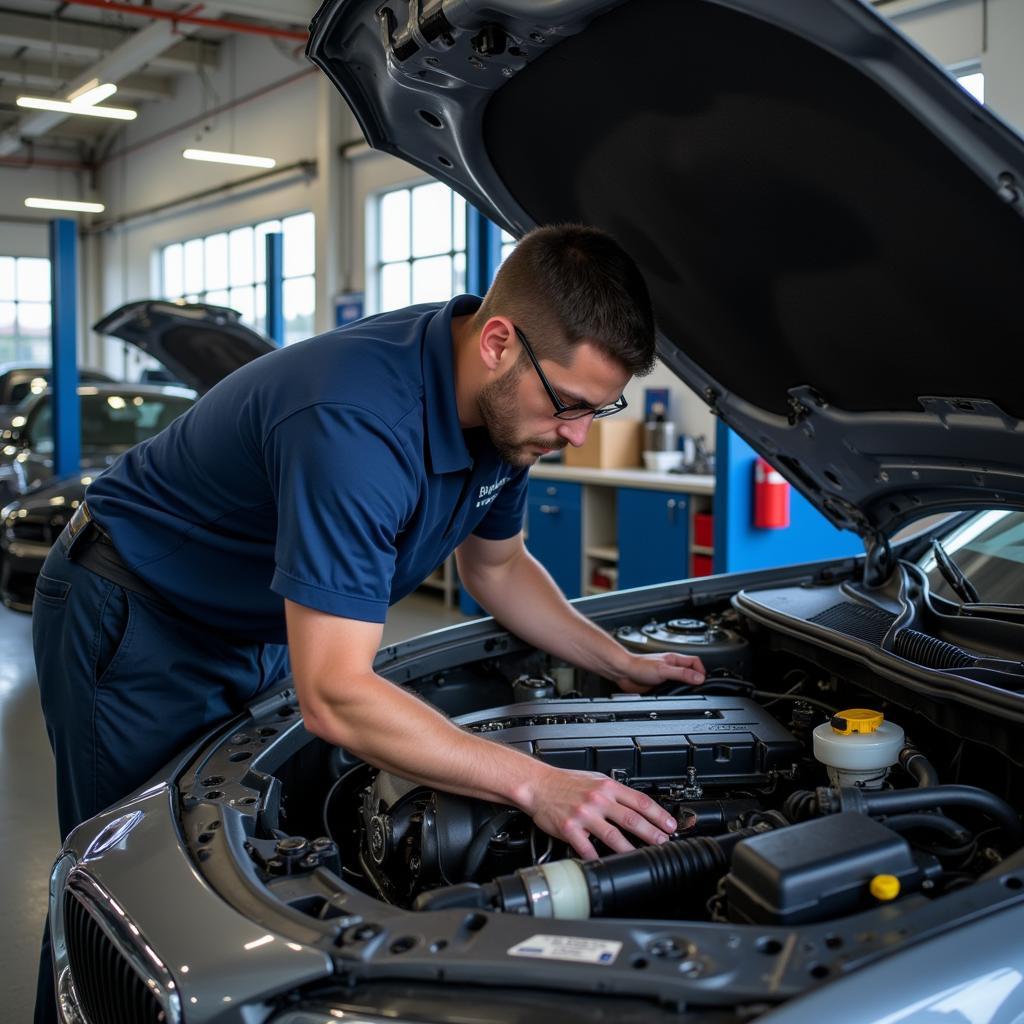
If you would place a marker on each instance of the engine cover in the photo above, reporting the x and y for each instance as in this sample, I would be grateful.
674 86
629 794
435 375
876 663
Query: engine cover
725 740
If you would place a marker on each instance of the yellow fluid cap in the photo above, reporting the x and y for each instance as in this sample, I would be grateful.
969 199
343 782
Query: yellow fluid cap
857 720
885 887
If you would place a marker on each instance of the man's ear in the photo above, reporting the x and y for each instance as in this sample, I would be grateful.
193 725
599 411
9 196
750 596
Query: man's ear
497 342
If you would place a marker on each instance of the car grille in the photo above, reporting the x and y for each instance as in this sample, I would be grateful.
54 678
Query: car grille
109 989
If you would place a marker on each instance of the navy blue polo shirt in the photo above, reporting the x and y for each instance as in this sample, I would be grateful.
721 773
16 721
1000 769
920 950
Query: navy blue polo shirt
333 473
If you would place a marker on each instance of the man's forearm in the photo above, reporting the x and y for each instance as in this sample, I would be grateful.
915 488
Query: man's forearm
394 730
524 598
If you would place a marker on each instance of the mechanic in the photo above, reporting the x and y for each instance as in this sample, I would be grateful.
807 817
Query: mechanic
313 487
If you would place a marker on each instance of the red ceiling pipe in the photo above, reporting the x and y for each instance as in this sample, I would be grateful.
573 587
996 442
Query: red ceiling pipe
35 161
184 17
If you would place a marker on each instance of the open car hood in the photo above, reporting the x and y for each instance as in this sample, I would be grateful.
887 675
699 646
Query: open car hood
830 227
199 343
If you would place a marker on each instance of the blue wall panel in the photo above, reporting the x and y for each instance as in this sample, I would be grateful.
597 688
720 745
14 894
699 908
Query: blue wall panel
739 545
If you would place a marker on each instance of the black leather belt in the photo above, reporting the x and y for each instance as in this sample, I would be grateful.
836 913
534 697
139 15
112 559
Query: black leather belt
87 543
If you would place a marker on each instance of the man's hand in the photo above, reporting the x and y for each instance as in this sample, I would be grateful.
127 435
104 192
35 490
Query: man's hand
577 806
643 671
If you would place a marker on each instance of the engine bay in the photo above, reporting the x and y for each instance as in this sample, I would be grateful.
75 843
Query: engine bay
810 792
799 816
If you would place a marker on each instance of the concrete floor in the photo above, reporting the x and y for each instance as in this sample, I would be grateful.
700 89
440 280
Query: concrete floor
28 815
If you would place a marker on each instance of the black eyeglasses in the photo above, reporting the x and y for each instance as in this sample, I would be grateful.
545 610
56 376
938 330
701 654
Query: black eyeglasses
563 411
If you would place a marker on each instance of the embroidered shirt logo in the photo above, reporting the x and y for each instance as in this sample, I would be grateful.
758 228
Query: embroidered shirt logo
488 492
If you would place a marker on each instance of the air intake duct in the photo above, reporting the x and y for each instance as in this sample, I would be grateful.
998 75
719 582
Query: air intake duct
679 874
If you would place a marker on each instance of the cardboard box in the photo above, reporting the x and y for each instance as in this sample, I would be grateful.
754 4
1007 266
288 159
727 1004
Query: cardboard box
611 444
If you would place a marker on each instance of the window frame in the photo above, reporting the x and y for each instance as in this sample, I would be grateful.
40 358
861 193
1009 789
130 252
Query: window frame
258 322
375 264
16 339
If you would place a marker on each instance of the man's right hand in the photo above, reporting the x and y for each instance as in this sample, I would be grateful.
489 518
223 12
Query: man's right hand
577 807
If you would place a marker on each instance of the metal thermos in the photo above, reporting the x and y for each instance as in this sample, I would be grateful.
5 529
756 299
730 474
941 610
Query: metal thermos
659 435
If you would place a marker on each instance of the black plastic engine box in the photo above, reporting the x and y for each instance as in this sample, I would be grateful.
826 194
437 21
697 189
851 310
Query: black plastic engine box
725 740
815 870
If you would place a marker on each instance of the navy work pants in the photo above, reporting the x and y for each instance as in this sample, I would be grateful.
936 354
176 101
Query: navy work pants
126 683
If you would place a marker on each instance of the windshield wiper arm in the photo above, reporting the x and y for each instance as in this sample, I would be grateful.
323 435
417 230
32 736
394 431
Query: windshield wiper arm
954 575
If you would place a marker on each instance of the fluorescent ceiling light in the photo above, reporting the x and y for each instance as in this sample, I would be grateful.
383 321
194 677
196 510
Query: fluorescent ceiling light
64 107
63 204
228 158
92 93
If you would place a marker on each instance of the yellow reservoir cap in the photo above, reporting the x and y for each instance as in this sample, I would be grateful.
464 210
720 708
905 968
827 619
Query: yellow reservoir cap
885 887
857 720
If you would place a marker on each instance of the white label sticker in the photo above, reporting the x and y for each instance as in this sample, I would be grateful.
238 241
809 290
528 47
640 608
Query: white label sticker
567 947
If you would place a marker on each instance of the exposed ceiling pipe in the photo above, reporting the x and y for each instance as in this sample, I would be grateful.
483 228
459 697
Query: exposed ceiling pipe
135 52
32 161
191 19
304 168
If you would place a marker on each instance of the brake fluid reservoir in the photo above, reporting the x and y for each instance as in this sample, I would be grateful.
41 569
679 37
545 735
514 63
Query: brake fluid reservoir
858 747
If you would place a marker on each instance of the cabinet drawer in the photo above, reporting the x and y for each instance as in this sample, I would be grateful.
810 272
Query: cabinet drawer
567 496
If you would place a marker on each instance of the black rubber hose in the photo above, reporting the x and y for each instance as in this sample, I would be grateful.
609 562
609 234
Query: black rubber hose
936 822
640 881
679 873
903 801
802 805
484 834
917 765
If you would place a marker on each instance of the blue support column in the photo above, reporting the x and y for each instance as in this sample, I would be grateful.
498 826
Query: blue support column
67 426
483 251
275 287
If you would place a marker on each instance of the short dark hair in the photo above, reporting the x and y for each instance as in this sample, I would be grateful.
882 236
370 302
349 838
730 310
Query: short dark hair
567 283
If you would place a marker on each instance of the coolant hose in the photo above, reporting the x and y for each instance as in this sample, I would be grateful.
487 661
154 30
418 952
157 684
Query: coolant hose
952 830
917 765
637 883
802 805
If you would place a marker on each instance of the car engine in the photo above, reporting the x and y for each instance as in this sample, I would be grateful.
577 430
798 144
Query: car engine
790 808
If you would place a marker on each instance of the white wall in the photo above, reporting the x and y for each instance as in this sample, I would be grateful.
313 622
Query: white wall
23 239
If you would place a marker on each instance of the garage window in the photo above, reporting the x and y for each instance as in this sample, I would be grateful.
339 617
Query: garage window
418 250
24 309
229 269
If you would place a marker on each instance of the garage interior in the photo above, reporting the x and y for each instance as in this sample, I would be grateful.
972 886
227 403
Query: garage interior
297 224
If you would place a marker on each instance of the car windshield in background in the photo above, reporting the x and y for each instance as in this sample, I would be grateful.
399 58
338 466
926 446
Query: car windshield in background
26 388
989 550
111 421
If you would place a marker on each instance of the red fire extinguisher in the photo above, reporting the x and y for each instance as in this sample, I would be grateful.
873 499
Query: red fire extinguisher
771 497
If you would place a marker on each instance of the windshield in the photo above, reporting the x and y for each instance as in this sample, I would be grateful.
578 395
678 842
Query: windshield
989 549
110 422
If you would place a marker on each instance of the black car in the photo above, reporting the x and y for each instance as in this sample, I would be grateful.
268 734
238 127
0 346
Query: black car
792 179
199 344
19 380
